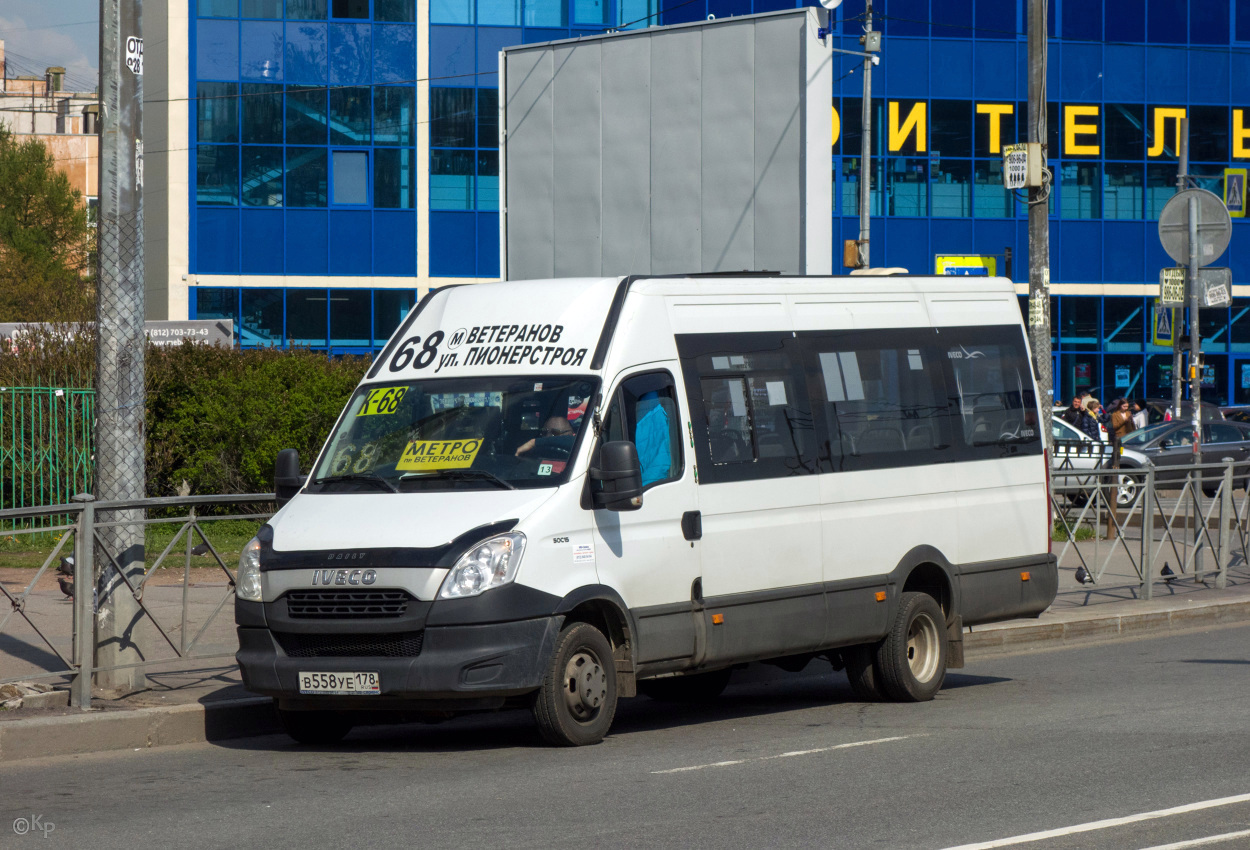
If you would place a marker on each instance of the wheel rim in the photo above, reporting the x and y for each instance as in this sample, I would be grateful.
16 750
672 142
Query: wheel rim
922 647
585 686
1128 489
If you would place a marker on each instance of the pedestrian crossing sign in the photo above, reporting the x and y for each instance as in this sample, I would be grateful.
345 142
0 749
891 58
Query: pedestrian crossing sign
1235 191
1164 325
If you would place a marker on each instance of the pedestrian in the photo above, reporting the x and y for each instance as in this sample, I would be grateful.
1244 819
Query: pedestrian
1121 419
1139 415
1073 414
1092 415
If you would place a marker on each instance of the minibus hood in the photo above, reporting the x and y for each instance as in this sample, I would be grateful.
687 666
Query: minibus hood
395 520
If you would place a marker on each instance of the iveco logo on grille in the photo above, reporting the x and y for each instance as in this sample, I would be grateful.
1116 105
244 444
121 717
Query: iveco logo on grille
345 556
342 577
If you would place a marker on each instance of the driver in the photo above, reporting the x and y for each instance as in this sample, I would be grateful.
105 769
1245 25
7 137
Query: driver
556 434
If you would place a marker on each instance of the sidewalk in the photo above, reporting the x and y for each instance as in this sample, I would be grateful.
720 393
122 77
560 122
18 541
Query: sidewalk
197 701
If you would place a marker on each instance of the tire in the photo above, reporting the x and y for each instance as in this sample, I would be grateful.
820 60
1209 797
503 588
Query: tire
1126 487
316 728
911 660
577 700
861 673
698 687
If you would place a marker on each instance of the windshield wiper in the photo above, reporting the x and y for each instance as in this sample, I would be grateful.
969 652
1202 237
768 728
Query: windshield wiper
355 476
458 475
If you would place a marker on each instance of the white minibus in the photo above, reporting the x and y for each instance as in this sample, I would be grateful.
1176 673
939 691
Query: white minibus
558 493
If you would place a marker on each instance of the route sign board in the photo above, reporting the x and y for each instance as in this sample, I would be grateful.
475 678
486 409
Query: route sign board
1172 286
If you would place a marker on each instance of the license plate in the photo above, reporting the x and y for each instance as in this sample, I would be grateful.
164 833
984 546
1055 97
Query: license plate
340 684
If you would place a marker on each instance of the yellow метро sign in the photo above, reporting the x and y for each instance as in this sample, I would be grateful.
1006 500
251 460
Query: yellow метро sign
433 455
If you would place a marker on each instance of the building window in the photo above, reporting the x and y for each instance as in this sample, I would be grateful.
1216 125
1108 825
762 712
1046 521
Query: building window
451 180
989 198
952 188
394 179
262 176
1123 131
306 317
305 177
390 306
262 114
635 14
216 112
351 178
306 10
217 175
591 13
306 117
1160 187
349 318
1079 190
908 186
1122 190
394 11
451 11
850 186
500 13
262 318
1123 324
546 13
349 115
217 8
452 117
351 9
393 115
268 9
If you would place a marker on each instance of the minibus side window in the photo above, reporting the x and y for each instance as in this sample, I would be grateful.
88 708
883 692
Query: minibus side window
749 407
992 392
644 411
882 398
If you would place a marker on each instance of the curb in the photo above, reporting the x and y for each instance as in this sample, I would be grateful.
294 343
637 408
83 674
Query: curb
162 726
1000 639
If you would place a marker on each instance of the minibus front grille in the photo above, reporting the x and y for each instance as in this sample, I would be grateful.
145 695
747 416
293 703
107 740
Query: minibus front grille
395 645
345 604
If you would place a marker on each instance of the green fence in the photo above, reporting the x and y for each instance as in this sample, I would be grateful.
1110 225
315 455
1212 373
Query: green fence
46 447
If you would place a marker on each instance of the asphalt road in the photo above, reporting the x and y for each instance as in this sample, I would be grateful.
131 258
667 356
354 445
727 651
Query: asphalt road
1014 745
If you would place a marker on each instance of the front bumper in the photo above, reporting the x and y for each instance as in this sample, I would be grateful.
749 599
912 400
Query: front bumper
470 666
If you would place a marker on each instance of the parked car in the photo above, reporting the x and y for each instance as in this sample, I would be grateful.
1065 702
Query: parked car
1239 413
1075 450
1169 445
1056 415
1160 410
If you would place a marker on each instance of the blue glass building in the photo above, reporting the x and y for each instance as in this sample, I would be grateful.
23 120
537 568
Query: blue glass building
342 156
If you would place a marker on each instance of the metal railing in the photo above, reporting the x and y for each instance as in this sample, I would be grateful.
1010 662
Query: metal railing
93 587
1144 520
46 450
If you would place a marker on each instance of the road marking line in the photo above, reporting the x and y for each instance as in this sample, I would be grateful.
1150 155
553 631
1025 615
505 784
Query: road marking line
1104 824
790 754
1198 842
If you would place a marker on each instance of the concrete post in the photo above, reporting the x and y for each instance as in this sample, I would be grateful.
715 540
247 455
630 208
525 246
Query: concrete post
119 430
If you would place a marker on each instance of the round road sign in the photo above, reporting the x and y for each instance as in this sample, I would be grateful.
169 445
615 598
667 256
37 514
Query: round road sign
1215 227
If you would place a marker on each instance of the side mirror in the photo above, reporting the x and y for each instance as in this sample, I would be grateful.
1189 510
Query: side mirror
287 480
616 483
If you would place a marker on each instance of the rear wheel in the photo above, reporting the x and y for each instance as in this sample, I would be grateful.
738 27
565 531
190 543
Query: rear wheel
577 700
911 660
698 687
861 673
315 727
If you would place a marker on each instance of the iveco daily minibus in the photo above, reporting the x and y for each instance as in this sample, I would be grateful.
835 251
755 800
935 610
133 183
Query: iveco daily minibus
558 493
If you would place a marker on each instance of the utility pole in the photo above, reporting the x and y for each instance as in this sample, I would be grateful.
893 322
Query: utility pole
1182 183
119 431
871 44
1195 305
1039 220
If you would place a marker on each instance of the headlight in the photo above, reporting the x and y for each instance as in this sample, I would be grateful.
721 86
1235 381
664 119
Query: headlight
247 581
486 565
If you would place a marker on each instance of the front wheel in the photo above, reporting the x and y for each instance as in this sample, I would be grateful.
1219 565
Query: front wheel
577 700
1126 488
911 660
317 728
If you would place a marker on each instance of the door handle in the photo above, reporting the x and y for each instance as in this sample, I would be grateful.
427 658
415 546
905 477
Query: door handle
692 525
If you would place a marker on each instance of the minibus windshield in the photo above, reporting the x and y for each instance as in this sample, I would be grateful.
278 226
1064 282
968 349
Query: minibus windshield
457 433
